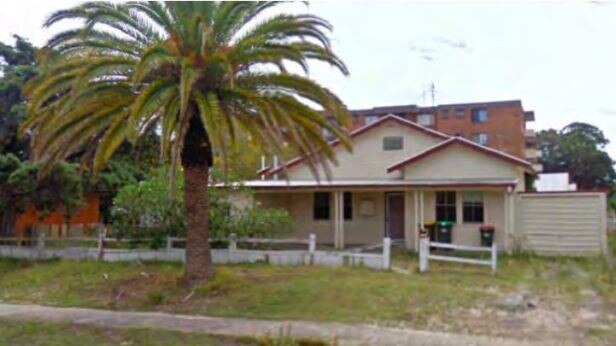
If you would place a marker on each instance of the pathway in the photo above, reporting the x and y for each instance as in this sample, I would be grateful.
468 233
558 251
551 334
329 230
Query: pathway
346 334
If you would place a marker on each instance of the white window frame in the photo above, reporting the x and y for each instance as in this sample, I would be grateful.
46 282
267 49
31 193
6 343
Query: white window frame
421 122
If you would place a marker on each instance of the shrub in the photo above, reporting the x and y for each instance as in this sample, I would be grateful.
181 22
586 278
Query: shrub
147 209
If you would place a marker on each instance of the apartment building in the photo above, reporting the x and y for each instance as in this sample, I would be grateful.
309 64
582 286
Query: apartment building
498 124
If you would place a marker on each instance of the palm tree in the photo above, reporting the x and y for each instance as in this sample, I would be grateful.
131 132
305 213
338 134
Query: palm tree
197 72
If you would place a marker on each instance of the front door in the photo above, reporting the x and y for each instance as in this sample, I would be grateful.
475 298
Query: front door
394 215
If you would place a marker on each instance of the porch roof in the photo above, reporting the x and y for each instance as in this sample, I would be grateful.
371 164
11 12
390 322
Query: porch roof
299 184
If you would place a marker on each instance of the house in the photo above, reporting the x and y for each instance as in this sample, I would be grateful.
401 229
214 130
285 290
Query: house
400 176
501 125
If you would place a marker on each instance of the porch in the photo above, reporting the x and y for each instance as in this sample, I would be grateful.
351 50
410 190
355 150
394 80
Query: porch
358 213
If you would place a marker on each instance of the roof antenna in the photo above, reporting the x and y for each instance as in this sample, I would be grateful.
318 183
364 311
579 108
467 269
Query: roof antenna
433 93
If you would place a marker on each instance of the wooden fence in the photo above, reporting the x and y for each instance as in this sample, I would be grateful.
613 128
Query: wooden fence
39 248
424 254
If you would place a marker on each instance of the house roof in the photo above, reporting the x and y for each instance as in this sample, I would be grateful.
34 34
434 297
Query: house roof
356 133
467 144
363 183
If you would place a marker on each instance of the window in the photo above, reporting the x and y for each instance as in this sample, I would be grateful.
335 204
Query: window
425 119
479 115
480 138
460 112
320 207
328 134
446 206
369 119
472 207
445 113
392 143
348 206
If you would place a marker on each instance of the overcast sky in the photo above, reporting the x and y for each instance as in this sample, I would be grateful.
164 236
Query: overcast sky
558 58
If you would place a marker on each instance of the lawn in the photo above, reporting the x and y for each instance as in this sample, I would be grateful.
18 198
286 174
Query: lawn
570 297
37 333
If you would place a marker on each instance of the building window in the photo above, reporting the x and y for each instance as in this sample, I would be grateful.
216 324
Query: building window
460 112
392 143
328 134
425 119
348 205
479 115
480 138
320 206
472 207
445 113
369 119
446 206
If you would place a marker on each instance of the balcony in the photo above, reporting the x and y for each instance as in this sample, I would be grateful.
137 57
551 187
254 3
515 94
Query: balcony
532 153
530 137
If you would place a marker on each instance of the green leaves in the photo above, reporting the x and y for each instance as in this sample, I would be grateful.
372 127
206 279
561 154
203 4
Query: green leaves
579 150
157 65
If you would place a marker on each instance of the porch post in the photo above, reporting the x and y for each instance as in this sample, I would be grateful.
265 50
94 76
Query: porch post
408 223
341 219
422 219
416 219
507 222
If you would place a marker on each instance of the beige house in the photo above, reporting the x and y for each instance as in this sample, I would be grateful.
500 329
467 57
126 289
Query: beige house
398 177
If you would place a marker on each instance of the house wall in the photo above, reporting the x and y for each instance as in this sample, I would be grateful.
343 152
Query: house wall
468 233
362 229
561 223
457 162
86 216
505 125
368 159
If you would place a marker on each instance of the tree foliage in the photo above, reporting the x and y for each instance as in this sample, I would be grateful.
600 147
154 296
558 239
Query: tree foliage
17 65
21 188
200 72
147 210
578 149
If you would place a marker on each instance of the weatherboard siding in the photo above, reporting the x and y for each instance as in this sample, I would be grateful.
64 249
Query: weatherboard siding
368 159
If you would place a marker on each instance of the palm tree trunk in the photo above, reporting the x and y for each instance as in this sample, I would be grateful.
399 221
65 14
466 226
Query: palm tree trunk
196 161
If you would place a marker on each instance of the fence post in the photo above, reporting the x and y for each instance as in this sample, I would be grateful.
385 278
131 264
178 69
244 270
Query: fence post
424 252
101 243
386 253
169 243
494 254
312 243
40 241
232 242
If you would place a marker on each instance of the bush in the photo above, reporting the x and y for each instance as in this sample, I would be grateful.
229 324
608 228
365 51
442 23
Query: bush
147 210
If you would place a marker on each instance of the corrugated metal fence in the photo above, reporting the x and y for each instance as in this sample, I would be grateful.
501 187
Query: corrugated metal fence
563 223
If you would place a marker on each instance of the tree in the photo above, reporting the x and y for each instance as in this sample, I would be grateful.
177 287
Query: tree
20 188
578 149
143 210
199 72
17 65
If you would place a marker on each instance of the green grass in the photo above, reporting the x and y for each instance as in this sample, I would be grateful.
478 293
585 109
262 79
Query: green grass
33 333
38 333
433 300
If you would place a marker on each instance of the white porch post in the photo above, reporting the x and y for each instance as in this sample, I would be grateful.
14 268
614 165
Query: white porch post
408 223
507 223
422 219
416 219
338 219
341 219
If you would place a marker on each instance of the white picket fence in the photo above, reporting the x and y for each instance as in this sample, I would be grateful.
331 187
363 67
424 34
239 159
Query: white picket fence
424 254
231 255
